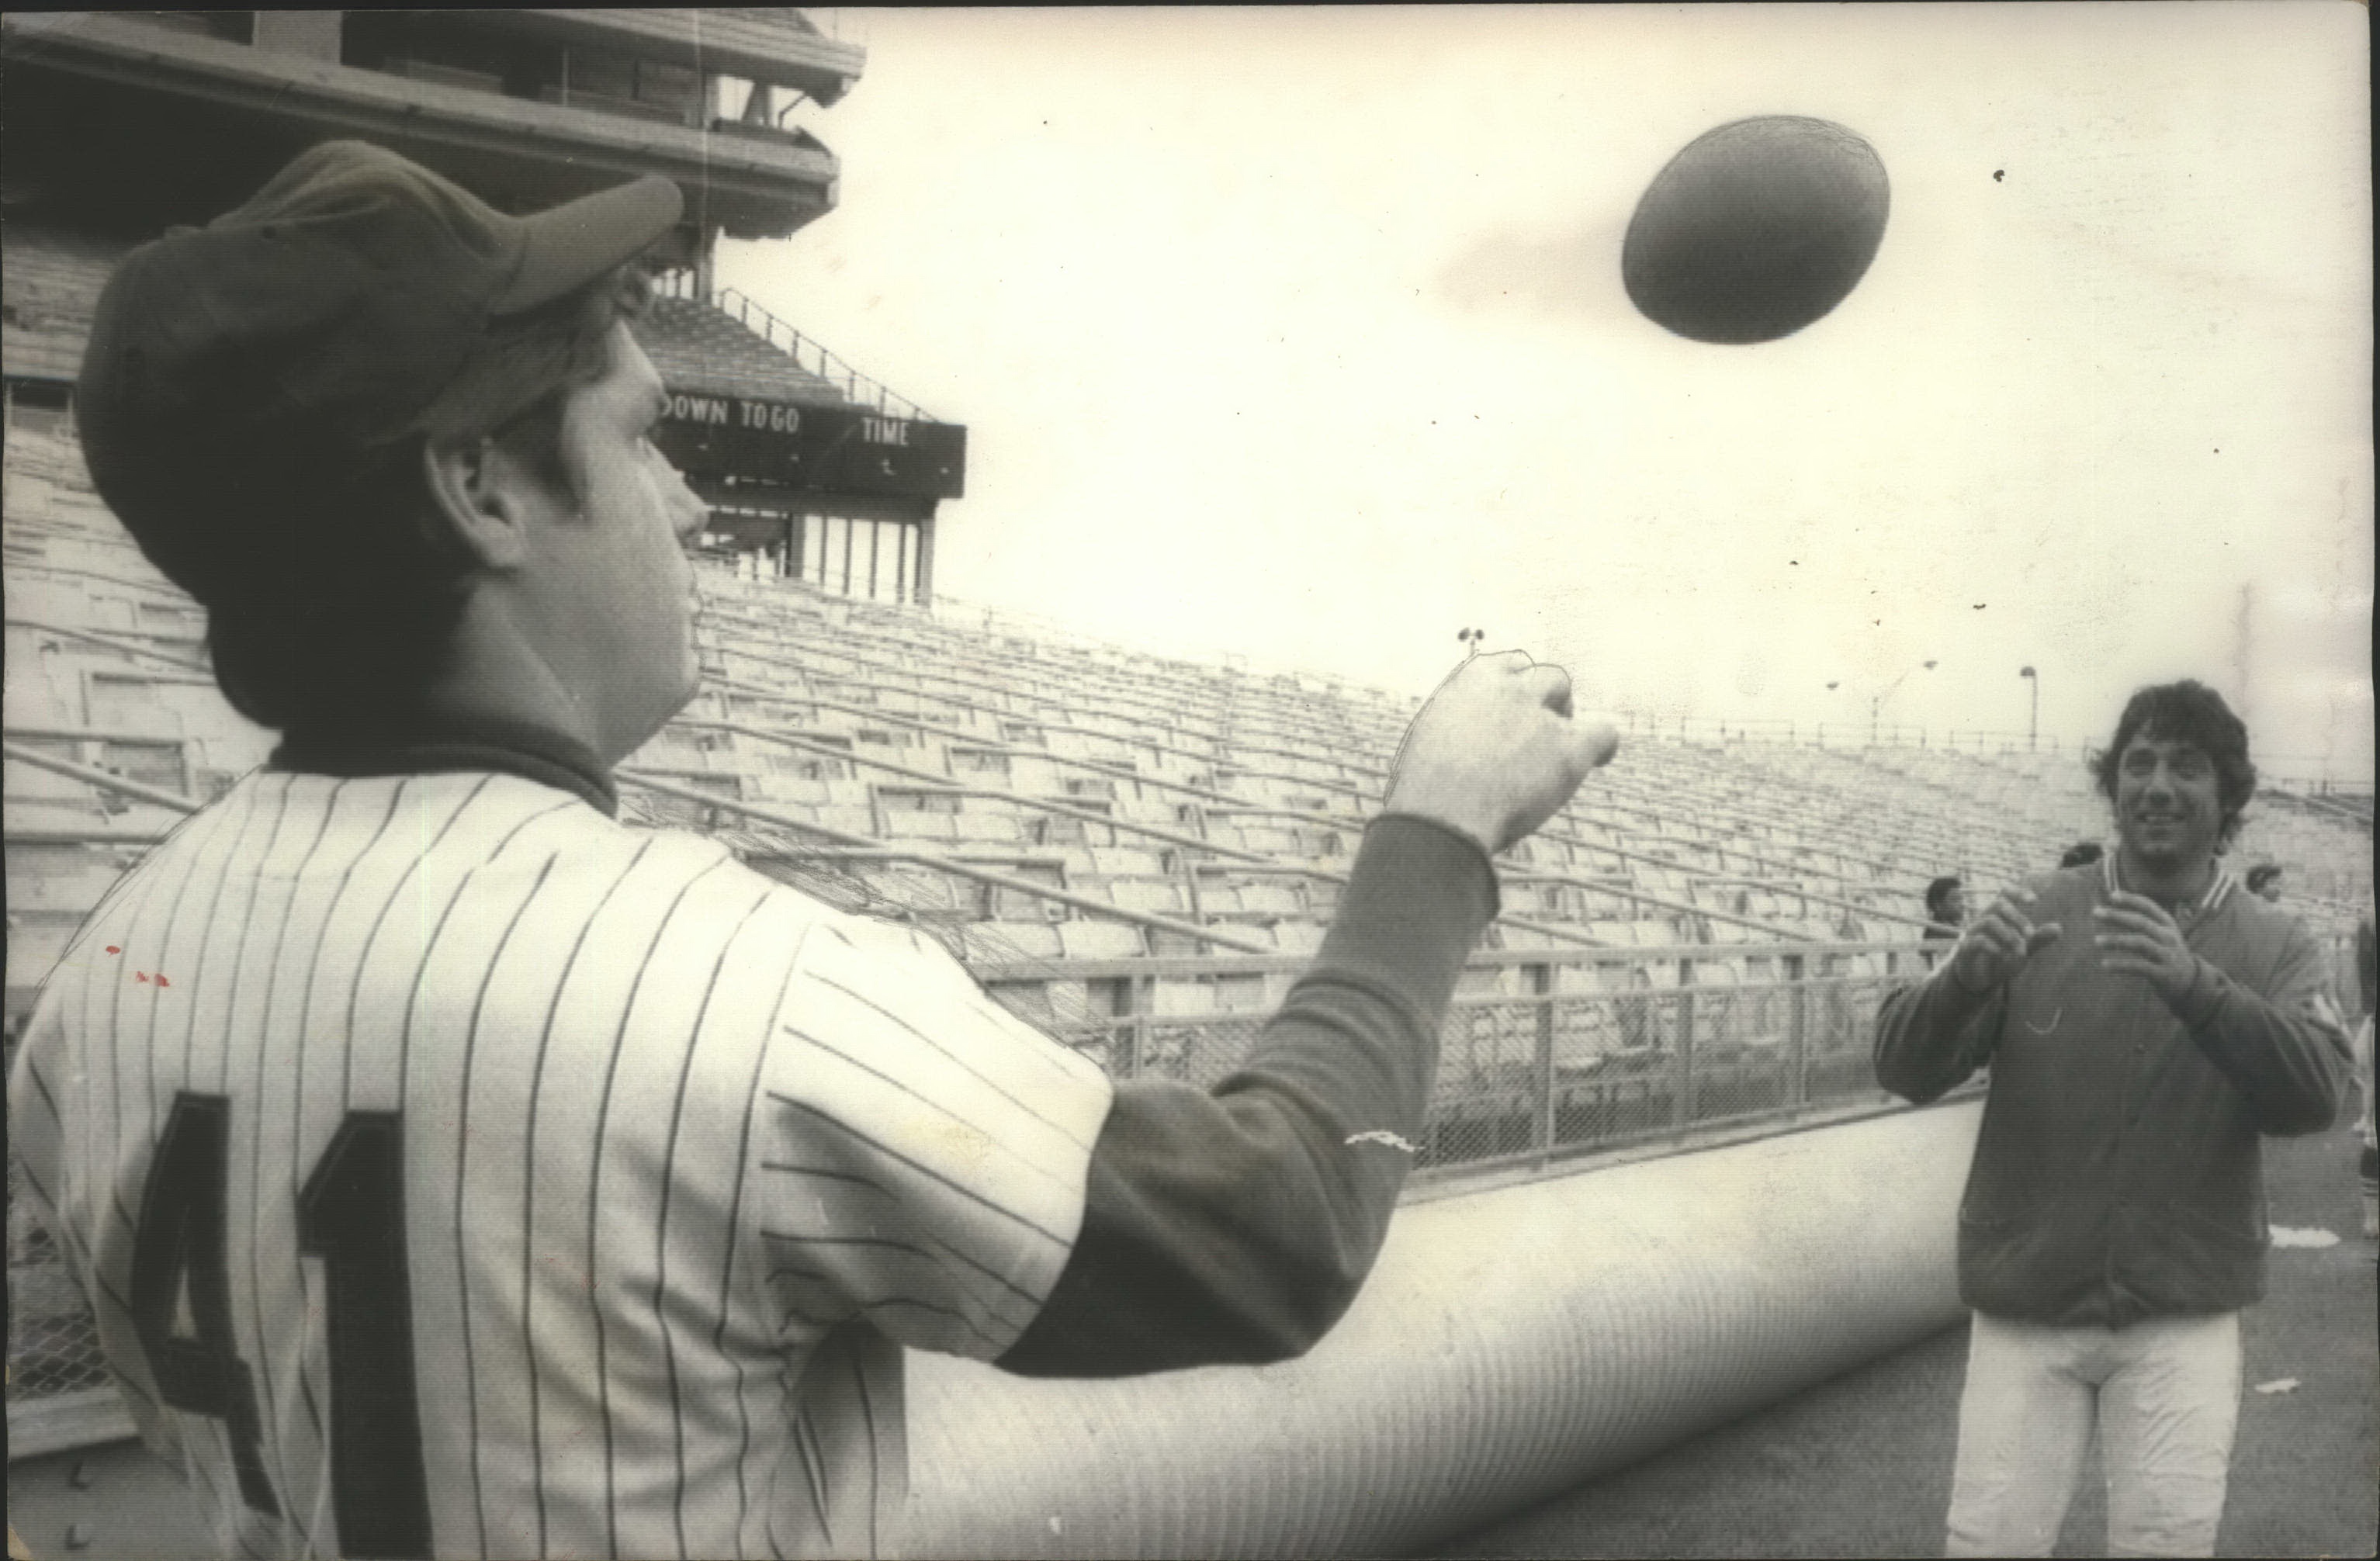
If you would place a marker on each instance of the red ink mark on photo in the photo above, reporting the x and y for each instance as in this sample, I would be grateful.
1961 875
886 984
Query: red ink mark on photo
114 950
140 976
163 982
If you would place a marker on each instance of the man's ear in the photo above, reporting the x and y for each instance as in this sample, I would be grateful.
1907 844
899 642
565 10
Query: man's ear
483 496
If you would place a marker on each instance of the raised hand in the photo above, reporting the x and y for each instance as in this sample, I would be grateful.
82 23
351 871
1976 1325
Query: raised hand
2136 936
1496 752
1998 943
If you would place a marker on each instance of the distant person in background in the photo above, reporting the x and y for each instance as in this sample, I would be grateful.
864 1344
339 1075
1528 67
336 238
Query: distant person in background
2080 854
1946 908
2265 881
2145 1027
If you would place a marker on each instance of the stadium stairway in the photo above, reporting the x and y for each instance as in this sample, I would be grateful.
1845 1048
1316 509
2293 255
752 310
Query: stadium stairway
702 350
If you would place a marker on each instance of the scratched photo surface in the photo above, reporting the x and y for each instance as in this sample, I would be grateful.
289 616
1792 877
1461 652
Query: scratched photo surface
1300 334
1296 341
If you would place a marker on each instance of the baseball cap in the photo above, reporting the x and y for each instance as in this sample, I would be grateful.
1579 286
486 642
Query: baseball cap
329 312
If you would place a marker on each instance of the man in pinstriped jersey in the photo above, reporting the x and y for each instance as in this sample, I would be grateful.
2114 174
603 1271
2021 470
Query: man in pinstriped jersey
456 1171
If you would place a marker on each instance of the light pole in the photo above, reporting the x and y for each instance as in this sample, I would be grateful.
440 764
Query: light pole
2032 725
1875 706
1471 638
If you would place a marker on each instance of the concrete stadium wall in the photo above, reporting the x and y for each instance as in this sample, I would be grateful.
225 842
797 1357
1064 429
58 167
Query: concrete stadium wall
1511 1344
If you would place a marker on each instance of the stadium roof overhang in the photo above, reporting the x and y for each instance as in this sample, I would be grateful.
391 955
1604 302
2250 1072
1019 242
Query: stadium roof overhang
105 108
749 42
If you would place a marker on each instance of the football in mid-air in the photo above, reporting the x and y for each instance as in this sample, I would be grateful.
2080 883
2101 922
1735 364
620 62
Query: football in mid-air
1757 229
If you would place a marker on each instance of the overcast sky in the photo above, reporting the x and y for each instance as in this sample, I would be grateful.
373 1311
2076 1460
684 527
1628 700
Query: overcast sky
1299 333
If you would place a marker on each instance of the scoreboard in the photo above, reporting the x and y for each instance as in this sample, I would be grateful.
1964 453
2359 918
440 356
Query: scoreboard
818 450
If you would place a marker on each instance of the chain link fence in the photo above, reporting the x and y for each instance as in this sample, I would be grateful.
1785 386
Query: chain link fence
52 1343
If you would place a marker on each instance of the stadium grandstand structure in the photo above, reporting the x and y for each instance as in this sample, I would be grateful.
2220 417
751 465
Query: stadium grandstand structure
1136 853
126 123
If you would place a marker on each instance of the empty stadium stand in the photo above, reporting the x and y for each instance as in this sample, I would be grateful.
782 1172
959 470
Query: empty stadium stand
1137 852
47 290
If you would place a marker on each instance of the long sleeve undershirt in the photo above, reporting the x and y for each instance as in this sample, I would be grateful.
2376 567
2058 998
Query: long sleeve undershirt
1236 1225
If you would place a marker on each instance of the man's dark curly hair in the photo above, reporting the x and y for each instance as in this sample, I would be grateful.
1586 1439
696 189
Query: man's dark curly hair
2189 712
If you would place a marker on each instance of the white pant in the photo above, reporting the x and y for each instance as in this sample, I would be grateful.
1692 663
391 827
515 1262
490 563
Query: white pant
2165 1397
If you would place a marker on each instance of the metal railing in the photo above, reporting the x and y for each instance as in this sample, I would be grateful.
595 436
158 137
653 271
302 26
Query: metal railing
1547 1058
1544 1055
815 358
2309 774
1987 740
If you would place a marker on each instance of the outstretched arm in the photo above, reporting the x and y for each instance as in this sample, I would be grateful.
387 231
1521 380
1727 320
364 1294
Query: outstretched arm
1238 1225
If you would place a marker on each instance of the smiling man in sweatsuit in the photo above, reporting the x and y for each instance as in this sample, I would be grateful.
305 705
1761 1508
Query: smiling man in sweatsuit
2146 1023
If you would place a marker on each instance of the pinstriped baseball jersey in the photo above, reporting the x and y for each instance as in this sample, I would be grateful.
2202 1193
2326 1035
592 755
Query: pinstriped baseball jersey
456 1171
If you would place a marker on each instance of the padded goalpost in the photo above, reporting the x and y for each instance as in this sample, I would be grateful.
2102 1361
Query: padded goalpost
1512 1343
